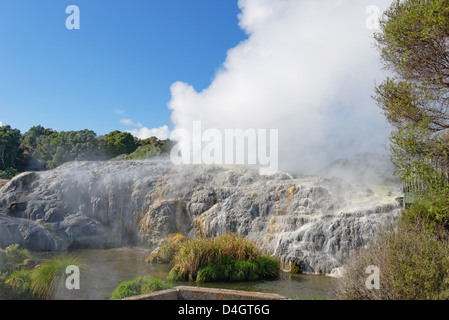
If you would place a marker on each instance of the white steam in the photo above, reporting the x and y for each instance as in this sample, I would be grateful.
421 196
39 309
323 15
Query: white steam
161 133
308 69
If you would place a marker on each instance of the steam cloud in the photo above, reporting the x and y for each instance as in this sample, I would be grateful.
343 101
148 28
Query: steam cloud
308 68
144 133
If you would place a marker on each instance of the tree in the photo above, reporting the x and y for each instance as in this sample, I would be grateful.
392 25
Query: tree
29 157
117 143
9 146
414 45
54 148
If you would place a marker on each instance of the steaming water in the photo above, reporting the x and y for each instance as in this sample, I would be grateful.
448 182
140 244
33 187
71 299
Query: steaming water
106 269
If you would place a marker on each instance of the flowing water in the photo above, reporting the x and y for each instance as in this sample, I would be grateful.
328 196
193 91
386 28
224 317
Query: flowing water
106 269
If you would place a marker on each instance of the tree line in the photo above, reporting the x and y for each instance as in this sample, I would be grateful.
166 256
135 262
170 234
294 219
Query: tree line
43 148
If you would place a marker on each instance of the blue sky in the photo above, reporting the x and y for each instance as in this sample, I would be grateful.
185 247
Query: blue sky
125 57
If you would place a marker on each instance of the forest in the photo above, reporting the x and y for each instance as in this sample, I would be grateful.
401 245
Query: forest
43 148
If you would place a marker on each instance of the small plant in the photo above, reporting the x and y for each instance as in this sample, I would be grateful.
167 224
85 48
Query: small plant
19 285
15 265
13 257
139 286
46 279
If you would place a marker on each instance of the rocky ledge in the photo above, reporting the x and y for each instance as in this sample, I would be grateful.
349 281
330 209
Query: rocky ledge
309 221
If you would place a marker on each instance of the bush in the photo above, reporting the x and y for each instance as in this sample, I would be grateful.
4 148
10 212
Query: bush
433 209
47 278
13 258
14 273
413 263
225 258
8 174
139 286
19 285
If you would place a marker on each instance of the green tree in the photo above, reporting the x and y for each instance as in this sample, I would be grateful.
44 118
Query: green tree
9 146
29 157
58 148
117 143
413 45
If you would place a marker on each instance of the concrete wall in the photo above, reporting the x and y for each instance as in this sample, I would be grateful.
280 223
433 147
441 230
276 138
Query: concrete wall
194 293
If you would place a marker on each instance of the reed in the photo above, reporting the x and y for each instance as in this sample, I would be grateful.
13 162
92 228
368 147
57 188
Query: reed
50 275
227 257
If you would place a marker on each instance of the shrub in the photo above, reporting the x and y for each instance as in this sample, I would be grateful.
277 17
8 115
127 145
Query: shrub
413 263
139 286
19 286
433 209
47 278
13 258
225 258
8 174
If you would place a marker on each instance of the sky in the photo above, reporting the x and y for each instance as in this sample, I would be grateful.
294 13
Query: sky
306 68
117 69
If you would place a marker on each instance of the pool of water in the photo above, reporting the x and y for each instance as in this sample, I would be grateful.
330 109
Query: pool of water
106 269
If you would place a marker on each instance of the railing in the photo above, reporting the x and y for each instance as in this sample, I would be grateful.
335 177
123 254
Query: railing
413 188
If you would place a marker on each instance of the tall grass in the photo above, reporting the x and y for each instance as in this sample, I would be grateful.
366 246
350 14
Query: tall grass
227 257
47 278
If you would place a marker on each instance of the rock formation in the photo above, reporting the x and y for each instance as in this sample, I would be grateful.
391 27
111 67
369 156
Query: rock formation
310 221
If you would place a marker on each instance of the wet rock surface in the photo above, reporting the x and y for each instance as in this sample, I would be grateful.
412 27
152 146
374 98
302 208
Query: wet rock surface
312 222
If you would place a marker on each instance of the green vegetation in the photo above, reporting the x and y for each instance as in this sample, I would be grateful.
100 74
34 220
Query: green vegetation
15 265
18 285
168 249
413 45
9 147
117 143
139 286
42 148
147 149
13 258
225 258
46 279
22 279
413 264
412 257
